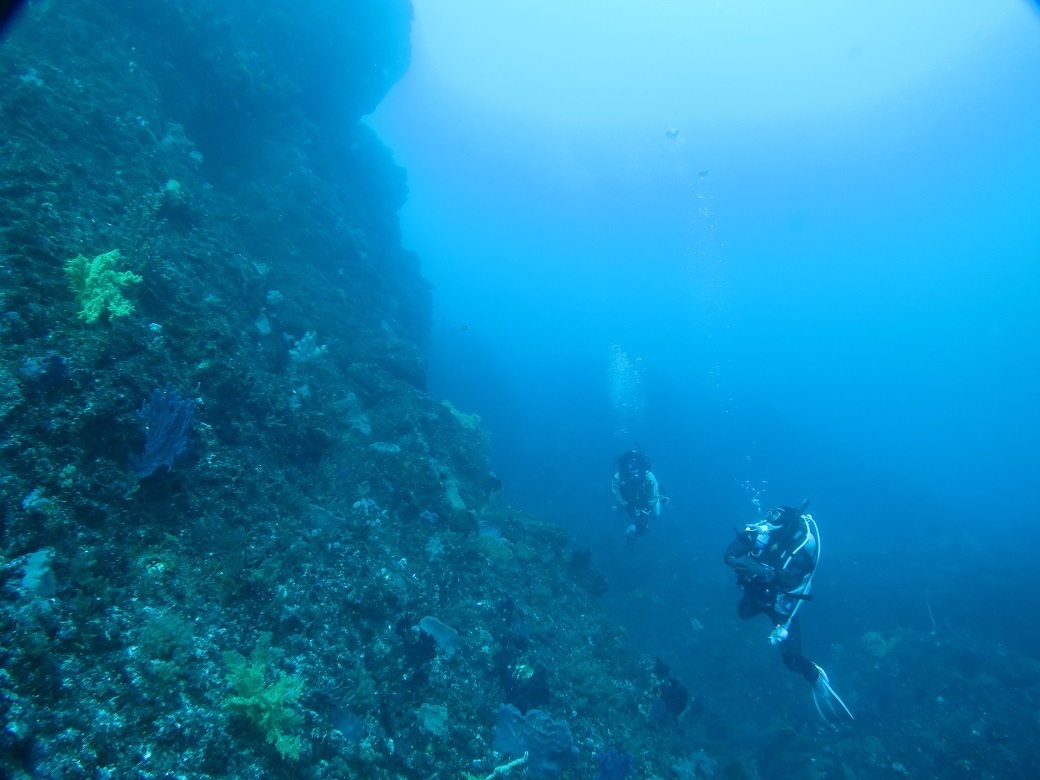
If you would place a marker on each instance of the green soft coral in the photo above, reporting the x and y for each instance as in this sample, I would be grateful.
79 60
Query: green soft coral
99 286
267 698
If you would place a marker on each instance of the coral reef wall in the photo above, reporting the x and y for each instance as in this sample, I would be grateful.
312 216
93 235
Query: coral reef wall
237 538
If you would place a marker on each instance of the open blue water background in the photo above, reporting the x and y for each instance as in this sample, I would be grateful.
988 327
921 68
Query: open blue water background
821 257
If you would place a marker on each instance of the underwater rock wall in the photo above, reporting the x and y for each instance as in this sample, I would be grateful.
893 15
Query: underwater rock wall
228 510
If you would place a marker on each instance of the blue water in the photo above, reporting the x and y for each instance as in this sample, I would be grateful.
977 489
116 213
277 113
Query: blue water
789 250
830 299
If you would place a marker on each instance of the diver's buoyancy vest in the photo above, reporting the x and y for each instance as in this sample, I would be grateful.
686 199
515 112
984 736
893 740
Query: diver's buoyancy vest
634 490
802 541
781 546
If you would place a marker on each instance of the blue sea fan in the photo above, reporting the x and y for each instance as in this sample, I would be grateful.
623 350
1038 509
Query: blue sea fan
168 420
614 765
548 743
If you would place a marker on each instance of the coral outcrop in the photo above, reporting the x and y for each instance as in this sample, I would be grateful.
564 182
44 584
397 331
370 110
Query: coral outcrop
324 504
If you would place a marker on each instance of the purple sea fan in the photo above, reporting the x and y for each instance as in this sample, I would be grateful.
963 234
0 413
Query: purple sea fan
614 765
168 420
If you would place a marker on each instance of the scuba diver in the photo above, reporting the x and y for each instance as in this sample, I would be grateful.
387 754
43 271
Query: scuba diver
775 560
636 491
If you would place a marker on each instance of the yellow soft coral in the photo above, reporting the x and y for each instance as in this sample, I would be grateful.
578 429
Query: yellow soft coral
469 421
267 697
877 645
98 285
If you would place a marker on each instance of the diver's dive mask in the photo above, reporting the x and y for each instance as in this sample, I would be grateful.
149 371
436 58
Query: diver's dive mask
767 524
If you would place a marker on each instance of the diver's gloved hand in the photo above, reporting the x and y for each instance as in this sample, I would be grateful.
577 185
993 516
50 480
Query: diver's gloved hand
830 706
751 569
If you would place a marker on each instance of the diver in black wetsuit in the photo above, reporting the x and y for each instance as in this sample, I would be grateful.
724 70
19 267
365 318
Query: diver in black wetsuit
775 560
636 491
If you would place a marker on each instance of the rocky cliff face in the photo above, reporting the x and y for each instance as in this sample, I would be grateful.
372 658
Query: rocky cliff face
195 175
